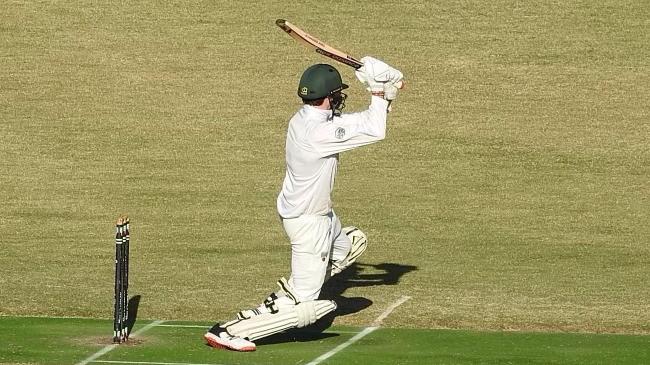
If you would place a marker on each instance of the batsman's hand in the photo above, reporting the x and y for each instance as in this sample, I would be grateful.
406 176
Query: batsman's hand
377 75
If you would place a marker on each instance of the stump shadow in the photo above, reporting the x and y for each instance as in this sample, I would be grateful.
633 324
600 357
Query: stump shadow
132 311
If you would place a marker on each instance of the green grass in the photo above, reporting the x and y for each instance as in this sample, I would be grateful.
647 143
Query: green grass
69 341
511 192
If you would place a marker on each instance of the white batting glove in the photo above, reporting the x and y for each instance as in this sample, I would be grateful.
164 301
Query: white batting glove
375 72
368 81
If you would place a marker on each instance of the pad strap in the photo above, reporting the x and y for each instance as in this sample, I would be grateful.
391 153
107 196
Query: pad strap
270 304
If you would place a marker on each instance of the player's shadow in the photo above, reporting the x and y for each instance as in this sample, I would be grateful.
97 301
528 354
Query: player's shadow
355 275
358 275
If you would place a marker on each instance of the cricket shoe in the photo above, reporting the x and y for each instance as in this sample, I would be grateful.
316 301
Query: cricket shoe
219 338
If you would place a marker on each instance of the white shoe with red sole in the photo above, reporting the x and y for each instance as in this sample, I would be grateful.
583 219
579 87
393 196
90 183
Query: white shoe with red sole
223 340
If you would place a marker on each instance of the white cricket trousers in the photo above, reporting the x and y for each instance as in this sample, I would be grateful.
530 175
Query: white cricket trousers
315 240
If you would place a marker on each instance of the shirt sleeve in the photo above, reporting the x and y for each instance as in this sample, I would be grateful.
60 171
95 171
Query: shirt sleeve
352 130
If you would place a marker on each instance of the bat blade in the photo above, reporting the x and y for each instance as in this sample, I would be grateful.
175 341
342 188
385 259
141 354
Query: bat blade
318 45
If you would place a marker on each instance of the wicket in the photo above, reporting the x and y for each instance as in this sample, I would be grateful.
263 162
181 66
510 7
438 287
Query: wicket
120 324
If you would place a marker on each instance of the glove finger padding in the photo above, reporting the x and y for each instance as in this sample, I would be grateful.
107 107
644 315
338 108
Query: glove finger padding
390 91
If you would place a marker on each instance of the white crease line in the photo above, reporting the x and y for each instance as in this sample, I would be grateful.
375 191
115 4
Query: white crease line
183 326
366 331
342 346
109 348
97 354
390 310
147 362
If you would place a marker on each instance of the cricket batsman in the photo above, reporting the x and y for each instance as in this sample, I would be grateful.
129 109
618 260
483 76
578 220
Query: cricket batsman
320 247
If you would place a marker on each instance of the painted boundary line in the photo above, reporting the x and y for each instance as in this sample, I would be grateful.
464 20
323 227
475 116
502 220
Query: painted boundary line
362 334
109 348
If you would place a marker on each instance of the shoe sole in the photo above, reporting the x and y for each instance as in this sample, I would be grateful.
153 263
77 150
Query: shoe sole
214 342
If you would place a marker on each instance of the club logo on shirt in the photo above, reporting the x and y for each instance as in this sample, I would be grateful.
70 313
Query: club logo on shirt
339 133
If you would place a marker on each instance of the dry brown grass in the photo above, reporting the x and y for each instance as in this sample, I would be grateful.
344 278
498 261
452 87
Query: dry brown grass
515 176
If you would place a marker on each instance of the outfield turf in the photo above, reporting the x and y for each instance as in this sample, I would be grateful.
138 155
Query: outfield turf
511 193
70 341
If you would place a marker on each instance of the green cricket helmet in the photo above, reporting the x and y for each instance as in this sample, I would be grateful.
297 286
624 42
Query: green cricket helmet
320 81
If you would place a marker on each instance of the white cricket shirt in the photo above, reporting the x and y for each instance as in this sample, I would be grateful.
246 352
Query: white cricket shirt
312 148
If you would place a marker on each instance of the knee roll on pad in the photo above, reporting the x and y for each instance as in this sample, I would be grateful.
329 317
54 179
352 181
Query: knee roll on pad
359 243
266 324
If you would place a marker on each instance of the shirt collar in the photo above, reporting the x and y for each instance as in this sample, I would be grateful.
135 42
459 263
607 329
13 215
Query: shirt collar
324 114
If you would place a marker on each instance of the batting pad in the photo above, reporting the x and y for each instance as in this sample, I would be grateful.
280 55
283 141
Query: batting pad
294 316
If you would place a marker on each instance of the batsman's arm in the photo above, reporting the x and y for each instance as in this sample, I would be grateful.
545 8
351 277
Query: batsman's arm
352 130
